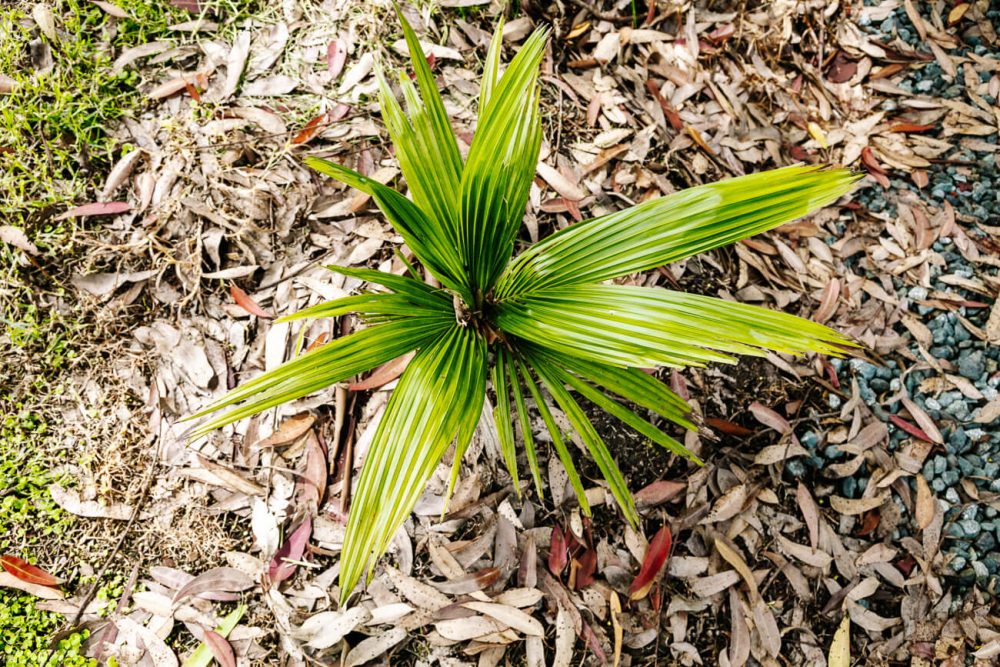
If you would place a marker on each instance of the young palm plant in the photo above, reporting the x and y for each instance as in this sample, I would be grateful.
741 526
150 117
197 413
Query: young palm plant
547 327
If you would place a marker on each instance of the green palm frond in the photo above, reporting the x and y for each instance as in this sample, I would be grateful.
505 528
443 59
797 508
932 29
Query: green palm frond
673 227
644 326
501 166
558 338
328 364
439 394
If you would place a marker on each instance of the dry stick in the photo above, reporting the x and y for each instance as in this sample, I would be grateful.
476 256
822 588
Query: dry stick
107 562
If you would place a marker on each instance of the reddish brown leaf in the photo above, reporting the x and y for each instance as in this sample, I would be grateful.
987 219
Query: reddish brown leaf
336 56
586 566
310 130
244 301
384 374
558 552
292 550
869 522
97 208
722 33
728 427
312 486
320 339
27 572
868 158
221 649
290 430
912 429
887 71
192 91
910 127
652 563
842 69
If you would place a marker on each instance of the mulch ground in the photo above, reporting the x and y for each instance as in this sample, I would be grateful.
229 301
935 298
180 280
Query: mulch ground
864 488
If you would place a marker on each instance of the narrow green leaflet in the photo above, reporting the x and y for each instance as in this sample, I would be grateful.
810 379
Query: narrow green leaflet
333 362
430 407
500 167
647 327
554 384
524 422
558 442
427 238
502 417
673 227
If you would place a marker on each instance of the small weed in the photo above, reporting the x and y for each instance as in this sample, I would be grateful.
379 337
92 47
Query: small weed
25 633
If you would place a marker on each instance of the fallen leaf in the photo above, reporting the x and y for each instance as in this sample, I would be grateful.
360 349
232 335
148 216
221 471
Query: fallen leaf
810 513
292 550
221 649
373 647
558 555
202 655
8 580
925 502
840 647
770 418
244 301
290 430
16 237
27 572
384 374
652 563
97 208
224 579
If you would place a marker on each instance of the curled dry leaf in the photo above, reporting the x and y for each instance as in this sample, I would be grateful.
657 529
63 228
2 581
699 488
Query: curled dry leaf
565 638
27 572
652 564
70 501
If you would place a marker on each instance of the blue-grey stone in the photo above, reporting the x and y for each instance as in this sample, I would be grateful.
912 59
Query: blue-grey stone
796 468
938 484
970 527
940 464
951 495
957 563
809 439
970 512
834 401
949 477
972 365
863 368
849 487
832 452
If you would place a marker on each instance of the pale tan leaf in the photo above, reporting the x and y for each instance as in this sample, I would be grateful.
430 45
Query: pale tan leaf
925 502
840 647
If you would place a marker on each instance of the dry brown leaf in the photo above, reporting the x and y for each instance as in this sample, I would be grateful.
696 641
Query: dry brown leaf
810 513
925 503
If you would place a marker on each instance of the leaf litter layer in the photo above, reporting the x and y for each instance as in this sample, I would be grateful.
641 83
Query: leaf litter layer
754 552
